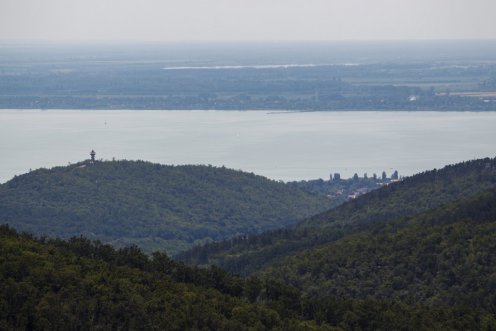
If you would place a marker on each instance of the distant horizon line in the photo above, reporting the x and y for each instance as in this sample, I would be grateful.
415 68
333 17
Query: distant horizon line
234 41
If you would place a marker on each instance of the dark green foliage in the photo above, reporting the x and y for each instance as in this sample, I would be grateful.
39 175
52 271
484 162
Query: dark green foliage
79 285
445 257
352 314
430 265
406 198
84 285
151 205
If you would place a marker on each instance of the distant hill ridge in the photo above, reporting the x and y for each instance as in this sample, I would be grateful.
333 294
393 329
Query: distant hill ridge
151 205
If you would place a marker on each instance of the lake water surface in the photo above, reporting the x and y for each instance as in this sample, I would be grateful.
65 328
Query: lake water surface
279 145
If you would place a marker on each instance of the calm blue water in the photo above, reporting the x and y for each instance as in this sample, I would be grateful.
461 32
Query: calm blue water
286 146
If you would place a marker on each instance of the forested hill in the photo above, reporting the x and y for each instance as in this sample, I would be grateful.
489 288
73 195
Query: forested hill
79 285
151 205
443 257
407 198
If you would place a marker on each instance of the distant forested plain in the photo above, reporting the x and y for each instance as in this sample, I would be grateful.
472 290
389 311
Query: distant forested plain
249 77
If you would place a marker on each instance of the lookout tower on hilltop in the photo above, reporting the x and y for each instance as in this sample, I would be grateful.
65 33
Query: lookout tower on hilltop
92 154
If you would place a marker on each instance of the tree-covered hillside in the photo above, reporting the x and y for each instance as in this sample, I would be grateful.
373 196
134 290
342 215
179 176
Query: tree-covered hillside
443 257
406 198
79 285
152 205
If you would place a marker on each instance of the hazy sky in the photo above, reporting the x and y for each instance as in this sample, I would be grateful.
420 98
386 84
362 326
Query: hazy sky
171 20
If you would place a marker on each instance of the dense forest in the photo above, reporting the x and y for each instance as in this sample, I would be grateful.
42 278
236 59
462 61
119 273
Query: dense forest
79 285
154 206
83 285
406 198
443 257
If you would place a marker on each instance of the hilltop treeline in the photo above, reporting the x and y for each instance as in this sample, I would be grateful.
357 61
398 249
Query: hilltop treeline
155 206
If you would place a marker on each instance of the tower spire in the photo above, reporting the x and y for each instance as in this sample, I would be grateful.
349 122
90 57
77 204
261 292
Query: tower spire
92 154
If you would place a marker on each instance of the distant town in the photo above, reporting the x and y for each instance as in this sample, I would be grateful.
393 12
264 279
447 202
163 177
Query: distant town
340 190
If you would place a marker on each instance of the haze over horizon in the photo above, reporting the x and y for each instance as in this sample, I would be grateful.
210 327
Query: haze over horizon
241 20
